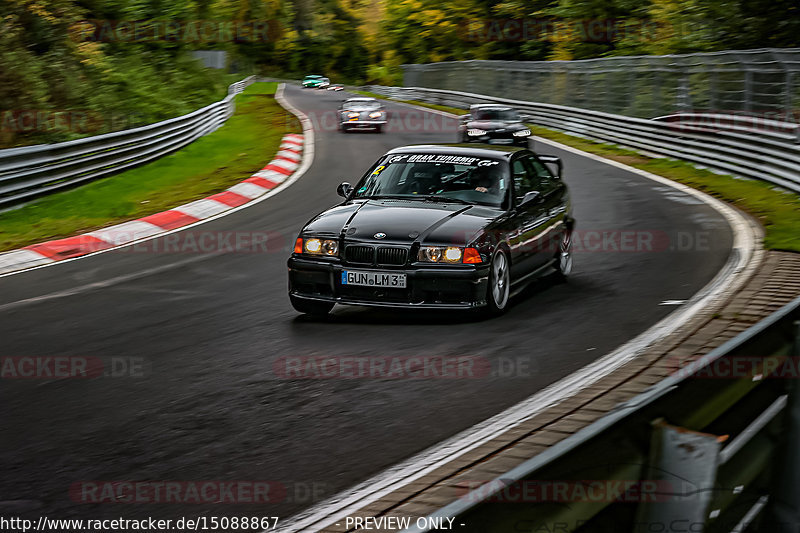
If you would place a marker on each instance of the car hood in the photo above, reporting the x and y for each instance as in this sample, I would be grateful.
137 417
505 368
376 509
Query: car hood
360 109
490 125
403 221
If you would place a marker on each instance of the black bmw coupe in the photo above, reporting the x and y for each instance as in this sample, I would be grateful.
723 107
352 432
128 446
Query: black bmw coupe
436 226
493 124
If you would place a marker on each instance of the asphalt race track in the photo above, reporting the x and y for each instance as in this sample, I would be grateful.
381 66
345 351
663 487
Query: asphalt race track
208 329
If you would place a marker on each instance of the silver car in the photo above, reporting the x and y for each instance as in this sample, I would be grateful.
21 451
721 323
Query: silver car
361 113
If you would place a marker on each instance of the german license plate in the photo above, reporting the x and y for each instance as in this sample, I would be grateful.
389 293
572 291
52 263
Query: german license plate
366 278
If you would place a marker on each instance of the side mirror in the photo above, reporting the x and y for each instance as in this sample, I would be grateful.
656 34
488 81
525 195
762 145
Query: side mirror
530 196
463 118
344 189
554 163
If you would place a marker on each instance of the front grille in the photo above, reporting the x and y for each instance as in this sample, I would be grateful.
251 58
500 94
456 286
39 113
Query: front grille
392 256
359 254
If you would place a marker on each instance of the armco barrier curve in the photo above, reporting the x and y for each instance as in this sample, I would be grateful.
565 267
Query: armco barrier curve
32 171
274 174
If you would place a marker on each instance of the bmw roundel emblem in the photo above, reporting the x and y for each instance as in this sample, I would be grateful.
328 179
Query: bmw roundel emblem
380 235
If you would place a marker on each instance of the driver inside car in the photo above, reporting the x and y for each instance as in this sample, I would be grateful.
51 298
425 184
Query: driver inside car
424 178
485 180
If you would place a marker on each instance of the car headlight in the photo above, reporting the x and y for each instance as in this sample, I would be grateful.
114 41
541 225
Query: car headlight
448 254
314 246
522 133
476 132
376 114
353 115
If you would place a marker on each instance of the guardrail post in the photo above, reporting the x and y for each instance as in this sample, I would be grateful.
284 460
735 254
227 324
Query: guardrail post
748 90
684 465
713 89
788 95
784 509
684 98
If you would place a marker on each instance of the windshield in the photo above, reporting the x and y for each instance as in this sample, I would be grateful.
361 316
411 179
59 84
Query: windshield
495 114
361 104
437 177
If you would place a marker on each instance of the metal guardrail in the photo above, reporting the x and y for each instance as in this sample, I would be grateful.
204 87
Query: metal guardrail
769 152
712 448
32 171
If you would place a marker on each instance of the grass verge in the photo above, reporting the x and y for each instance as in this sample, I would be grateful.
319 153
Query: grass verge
776 209
246 142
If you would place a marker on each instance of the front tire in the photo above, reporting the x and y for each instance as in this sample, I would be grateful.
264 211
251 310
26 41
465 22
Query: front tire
309 307
378 129
563 259
499 288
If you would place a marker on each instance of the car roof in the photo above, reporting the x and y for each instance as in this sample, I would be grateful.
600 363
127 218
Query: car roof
361 99
502 152
490 106
313 76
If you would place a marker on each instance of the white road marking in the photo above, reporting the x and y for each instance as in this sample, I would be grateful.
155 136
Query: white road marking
12 260
288 165
248 190
101 284
201 209
126 232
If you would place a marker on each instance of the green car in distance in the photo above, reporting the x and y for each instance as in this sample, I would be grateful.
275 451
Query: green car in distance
312 81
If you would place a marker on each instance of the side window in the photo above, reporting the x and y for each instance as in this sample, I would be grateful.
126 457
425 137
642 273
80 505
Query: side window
546 181
524 179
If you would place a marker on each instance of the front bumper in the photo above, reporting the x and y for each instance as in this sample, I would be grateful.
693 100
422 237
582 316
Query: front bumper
434 287
492 137
362 123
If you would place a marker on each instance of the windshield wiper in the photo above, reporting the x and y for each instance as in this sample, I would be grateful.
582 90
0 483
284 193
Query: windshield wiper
438 198
384 197
423 197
